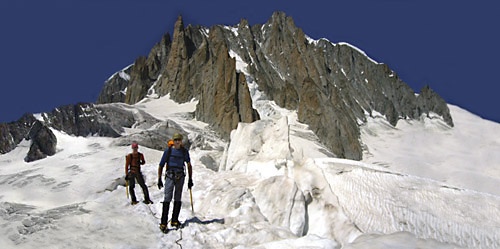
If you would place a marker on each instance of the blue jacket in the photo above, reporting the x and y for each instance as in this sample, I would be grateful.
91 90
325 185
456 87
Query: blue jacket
176 159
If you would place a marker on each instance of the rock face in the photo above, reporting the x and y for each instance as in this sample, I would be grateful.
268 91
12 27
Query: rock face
200 67
82 119
146 71
429 101
11 134
131 84
155 138
86 119
333 86
192 65
115 88
43 142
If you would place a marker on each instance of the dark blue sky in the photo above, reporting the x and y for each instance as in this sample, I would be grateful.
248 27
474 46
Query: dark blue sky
61 52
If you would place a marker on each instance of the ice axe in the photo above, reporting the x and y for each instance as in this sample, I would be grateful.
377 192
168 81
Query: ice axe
191 195
126 187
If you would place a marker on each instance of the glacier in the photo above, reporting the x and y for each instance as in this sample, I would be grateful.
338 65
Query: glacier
421 184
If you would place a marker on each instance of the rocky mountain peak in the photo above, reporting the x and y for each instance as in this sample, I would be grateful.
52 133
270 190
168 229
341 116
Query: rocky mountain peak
43 142
11 134
334 87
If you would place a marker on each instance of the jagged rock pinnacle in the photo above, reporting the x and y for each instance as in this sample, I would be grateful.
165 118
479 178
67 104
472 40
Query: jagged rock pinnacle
333 86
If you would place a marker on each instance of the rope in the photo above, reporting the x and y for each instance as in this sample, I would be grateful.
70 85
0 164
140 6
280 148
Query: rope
180 229
152 213
177 241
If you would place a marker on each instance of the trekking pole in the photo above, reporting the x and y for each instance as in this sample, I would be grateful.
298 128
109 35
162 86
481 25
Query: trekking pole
191 195
126 187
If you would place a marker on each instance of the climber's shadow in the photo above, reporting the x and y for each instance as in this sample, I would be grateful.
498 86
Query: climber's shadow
197 220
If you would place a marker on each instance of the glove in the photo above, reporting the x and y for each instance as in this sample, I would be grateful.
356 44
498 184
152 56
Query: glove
160 183
190 183
127 177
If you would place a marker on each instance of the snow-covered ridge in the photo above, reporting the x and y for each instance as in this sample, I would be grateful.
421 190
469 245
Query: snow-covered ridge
357 49
315 42
124 75
121 73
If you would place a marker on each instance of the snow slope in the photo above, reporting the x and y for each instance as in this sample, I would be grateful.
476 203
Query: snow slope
276 187
358 198
465 156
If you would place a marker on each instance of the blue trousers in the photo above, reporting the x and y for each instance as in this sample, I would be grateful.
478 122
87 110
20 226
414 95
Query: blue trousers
174 181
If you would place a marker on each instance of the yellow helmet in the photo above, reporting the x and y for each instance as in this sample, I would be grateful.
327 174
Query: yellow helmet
177 136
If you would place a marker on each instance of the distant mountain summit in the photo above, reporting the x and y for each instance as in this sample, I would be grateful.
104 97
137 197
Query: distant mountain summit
333 86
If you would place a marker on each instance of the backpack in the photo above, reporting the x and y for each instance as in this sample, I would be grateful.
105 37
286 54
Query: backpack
169 151
138 167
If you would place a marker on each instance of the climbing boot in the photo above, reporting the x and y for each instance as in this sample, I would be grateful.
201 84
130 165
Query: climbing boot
175 215
164 215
